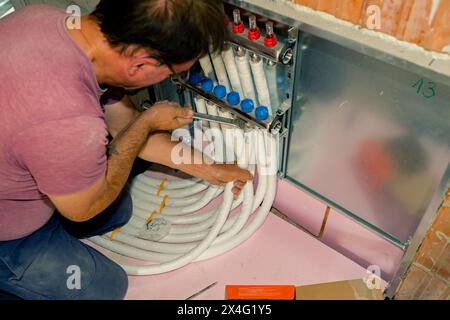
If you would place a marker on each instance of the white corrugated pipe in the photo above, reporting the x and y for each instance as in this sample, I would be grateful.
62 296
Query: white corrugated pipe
221 72
233 74
207 67
194 236
257 66
245 74
271 76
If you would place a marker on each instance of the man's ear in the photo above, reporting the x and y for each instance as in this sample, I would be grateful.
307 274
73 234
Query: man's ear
139 59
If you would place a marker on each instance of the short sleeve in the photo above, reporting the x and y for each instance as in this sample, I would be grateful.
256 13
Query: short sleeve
63 156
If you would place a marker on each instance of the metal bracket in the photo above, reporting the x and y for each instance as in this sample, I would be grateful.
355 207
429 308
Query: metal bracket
250 122
282 52
233 122
277 124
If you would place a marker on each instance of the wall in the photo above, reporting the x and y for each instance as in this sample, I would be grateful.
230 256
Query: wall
428 278
423 22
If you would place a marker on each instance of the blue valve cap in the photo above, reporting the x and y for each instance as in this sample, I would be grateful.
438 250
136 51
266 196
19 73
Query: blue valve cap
247 105
207 85
220 92
233 98
262 113
195 78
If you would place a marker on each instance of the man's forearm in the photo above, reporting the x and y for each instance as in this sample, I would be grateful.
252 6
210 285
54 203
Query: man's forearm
159 148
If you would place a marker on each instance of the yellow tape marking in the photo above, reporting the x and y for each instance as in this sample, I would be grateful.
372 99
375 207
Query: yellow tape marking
151 216
113 234
163 204
161 187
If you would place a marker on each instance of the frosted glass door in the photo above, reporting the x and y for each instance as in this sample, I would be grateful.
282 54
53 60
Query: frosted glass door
369 137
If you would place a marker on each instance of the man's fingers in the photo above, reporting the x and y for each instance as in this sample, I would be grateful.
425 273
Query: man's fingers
243 175
185 112
239 184
249 176
236 191
162 102
184 121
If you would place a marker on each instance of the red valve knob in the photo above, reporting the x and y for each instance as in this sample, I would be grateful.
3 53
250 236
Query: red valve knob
238 28
238 25
253 30
254 34
270 40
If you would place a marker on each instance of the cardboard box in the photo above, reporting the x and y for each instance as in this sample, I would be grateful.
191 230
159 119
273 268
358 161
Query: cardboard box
341 290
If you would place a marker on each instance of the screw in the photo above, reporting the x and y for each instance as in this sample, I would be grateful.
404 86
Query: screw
276 128
292 35
287 56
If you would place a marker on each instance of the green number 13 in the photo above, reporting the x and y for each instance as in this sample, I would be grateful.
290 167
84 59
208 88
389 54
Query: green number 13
428 93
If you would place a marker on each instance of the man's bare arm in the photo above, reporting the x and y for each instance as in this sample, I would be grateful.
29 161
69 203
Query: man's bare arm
125 147
158 149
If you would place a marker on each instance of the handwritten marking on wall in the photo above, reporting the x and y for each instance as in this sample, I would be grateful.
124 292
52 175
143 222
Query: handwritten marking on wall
427 91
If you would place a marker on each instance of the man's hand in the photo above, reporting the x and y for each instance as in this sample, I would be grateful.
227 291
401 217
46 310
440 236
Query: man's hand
217 174
221 174
168 116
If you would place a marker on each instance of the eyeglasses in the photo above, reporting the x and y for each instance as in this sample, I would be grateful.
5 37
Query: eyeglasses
180 76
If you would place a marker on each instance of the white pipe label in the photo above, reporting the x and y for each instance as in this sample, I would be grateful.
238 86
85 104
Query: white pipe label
156 229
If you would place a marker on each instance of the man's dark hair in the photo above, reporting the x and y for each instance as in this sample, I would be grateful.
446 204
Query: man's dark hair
178 30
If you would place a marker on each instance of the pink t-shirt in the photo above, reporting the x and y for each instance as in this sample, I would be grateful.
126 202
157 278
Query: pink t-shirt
53 133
